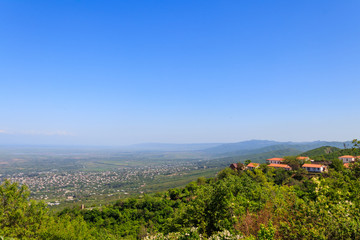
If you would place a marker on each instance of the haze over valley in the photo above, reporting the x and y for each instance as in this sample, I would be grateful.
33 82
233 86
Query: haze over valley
62 175
173 120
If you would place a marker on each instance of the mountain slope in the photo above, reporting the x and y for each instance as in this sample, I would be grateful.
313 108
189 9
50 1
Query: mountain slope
171 147
320 151
258 157
261 146
239 146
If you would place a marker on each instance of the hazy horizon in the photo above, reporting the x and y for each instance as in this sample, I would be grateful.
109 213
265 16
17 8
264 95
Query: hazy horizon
49 144
121 73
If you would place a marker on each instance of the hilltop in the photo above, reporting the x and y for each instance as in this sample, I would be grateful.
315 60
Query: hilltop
320 151
329 153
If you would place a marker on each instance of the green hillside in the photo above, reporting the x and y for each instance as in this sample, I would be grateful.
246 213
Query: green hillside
262 146
258 157
320 151
328 154
276 149
261 204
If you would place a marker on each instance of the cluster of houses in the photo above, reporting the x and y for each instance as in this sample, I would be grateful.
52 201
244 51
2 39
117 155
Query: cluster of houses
310 167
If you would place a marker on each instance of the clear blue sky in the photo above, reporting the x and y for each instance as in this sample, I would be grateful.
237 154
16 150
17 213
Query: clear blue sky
123 72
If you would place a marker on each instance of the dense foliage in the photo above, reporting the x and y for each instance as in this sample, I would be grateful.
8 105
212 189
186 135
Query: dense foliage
259 204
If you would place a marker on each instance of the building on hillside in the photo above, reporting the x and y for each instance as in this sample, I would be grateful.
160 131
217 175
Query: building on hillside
252 166
282 166
234 166
275 160
238 166
314 167
303 158
347 158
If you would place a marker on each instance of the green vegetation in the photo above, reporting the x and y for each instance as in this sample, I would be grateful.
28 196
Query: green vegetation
258 157
334 155
66 176
264 203
320 151
261 204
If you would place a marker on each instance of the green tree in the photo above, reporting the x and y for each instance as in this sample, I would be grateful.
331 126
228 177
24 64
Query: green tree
337 164
356 148
294 163
225 173
266 233
174 193
201 181
19 216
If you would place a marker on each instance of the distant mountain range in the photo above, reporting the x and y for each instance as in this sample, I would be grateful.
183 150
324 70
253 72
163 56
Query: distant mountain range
221 154
227 149
252 149
171 146
262 146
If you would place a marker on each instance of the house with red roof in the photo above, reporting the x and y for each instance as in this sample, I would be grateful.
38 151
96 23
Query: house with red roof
252 166
275 160
314 167
347 158
280 166
303 158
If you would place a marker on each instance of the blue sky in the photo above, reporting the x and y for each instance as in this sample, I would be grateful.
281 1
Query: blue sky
123 72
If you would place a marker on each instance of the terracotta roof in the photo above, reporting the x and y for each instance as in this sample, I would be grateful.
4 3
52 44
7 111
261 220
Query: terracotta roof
276 159
347 156
302 158
313 165
346 165
279 165
253 164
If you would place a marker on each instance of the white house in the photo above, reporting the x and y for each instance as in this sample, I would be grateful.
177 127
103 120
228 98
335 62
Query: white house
347 159
314 167
275 160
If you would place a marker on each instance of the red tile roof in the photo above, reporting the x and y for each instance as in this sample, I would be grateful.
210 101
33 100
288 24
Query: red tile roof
279 165
347 156
346 165
312 165
254 165
302 158
276 159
